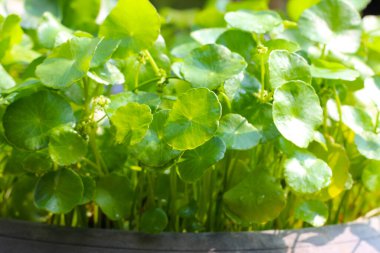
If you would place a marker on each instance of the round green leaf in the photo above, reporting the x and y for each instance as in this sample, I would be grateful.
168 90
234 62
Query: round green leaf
371 176
368 145
68 63
254 22
59 191
66 146
333 71
29 120
333 23
135 23
207 35
51 32
356 119
262 120
193 119
257 199
211 65
194 163
305 174
297 112
314 212
114 196
237 132
132 122
88 189
237 41
153 150
285 67
153 221
32 162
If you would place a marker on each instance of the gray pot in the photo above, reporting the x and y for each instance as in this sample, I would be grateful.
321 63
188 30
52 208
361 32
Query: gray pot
25 237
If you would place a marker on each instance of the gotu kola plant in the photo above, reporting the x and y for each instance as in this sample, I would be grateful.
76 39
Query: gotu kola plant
252 121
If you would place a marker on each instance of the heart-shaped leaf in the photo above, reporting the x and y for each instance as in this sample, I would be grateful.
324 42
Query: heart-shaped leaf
306 174
193 119
66 146
68 63
132 122
259 198
114 196
297 112
29 120
194 163
237 132
210 65
314 212
135 23
254 22
333 23
58 191
285 67
153 150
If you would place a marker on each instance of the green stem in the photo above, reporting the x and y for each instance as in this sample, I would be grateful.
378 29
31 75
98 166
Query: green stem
262 66
173 198
153 63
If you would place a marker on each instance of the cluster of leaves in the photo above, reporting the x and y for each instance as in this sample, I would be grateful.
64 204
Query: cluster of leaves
229 118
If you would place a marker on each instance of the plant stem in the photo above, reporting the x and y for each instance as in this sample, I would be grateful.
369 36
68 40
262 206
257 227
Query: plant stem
153 63
173 198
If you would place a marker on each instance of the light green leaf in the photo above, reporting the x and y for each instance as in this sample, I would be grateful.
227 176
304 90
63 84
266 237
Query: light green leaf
194 163
68 63
333 23
103 52
207 35
193 119
368 145
356 119
314 212
333 71
153 221
153 150
211 65
6 81
371 176
237 132
28 121
359 4
135 23
114 196
254 22
51 32
285 67
259 198
66 146
11 33
306 174
295 7
107 74
132 122
297 112
59 191
81 14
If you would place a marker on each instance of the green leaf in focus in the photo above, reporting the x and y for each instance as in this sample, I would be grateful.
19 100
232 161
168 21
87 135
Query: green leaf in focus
194 163
114 196
59 191
132 122
68 63
237 132
314 212
66 146
210 65
333 23
306 174
193 119
259 198
297 112
285 67
135 23
28 121
259 22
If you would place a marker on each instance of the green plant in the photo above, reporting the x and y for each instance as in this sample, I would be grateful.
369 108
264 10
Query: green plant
249 122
